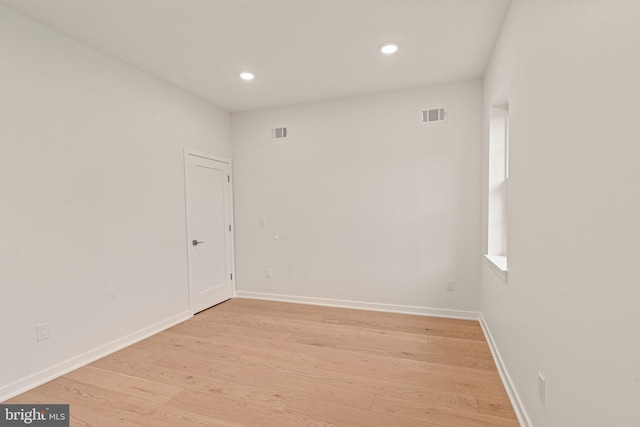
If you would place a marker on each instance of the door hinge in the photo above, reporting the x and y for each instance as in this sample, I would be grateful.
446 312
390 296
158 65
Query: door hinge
228 178
232 276
229 227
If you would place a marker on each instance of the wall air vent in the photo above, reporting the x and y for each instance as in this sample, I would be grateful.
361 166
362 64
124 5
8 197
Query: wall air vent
434 115
279 133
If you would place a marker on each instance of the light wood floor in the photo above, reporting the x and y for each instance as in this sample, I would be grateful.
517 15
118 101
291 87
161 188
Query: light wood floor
259 363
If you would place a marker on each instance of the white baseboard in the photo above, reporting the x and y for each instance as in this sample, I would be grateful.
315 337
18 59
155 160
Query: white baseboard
391 308
516 402
27 383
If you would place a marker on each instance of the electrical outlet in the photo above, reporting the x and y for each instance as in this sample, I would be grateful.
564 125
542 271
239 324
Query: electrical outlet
542 385
268 273
43 332
451 285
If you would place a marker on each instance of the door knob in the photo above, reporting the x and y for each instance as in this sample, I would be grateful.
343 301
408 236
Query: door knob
195 242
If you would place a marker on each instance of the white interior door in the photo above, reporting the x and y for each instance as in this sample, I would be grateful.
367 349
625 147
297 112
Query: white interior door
209 214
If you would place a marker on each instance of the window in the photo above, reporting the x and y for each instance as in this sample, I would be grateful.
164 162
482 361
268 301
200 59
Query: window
498 188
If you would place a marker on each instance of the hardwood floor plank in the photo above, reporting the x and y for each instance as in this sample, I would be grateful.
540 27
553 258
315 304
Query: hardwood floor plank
180 344
438 415
231 323
455 383
414 367
467 402
499 406
165 416
204 382
359 363
145 389
265 327
476 362
386 384
229 341
450 343
404 319
265 363
348 416
197 375
307 386
232 411
96 405
421 326
283 355
275 310
393 347
193 365
35 396
408 391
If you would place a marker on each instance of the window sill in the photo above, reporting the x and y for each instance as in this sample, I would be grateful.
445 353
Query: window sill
498 264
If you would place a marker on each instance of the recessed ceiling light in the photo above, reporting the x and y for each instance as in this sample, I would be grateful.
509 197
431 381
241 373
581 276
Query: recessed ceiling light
388 48
246 76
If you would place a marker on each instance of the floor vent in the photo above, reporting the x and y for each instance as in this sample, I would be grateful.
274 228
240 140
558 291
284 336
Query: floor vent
434 115
279 133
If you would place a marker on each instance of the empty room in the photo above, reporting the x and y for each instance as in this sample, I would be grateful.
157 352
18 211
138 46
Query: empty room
320 213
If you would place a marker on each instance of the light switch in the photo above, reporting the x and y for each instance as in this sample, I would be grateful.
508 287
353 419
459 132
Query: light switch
263 222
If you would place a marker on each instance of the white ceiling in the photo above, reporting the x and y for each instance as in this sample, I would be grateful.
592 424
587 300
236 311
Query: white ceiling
299 50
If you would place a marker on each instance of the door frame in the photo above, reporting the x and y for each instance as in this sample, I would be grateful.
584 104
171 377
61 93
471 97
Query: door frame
189 152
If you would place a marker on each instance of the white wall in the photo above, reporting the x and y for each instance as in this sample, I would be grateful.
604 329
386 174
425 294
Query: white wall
570 309
368 204
92 237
